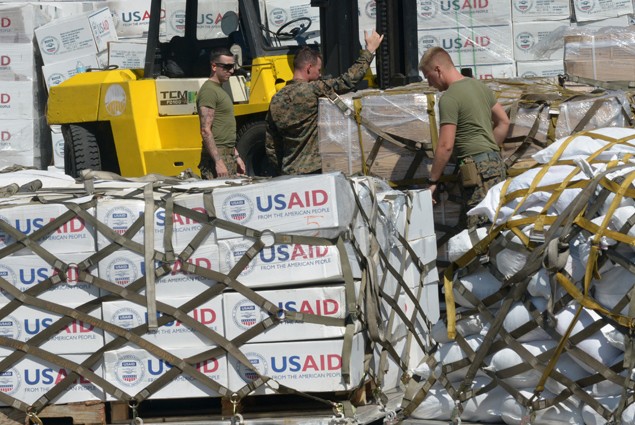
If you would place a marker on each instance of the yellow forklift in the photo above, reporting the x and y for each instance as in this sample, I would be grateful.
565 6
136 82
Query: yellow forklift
135 122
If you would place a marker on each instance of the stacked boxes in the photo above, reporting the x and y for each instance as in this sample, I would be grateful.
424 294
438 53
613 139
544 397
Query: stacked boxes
476 34
73 44
605 57
251 283
20 110
46 318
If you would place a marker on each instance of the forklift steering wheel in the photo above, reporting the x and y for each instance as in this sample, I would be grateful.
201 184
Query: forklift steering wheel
281 34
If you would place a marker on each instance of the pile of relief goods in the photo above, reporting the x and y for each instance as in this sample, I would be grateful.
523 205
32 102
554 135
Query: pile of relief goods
163 288
540 305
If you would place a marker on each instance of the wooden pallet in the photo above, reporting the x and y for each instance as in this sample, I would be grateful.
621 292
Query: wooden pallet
210 409
88 413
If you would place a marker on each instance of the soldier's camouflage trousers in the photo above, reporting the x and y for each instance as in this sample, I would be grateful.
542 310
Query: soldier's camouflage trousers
492 170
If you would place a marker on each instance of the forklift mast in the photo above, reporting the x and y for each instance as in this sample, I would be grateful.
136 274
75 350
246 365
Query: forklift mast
397 57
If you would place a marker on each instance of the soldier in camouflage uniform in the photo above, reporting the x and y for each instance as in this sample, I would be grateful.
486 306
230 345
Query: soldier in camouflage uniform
473 128
291 143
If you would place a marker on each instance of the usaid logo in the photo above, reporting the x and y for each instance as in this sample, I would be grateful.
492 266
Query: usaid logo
529 74
585 6
10 328
278 16
235 253
525 41
258 362
122 271
59 147
10 381
126 318
5 238
371 9
427 41
238 208
55 79
115 100
426 9
523 5
177 21
129 370
120 219
50 45
246 314
8 274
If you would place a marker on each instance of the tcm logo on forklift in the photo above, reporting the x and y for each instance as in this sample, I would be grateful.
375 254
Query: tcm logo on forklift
176 97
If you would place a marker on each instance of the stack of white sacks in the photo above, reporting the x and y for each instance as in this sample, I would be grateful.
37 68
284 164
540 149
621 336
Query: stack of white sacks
214 307
595 252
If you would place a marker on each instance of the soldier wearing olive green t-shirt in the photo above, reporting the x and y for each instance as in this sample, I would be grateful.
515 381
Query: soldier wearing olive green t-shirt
473 128
219 156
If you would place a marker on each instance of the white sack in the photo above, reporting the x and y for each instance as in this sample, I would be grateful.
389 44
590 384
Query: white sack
508 357
461 243
583 146
483 408
613 286
467 326
449 353
481 283
567 412
597 345
519 315
591 417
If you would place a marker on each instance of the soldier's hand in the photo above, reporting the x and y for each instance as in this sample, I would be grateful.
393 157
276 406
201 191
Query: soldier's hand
221 168
373 40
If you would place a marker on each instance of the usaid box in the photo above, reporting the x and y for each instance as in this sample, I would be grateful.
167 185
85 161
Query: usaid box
127 54
278 12
73 236
16 100
120 214
17 142
210 14
310 366
536 40
132 370
405 265
26 271
124 267
281 264
317 205
18 21
173 334
391 374
487 72
75 36
487 45
417 307
131 18
592 10
448 14
17 62
30 378
538 69
58 72
76 337
408 214
57 143
242 314
543 10
178 97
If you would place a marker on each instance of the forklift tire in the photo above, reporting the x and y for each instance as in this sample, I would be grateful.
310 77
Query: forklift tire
81 150
251 146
